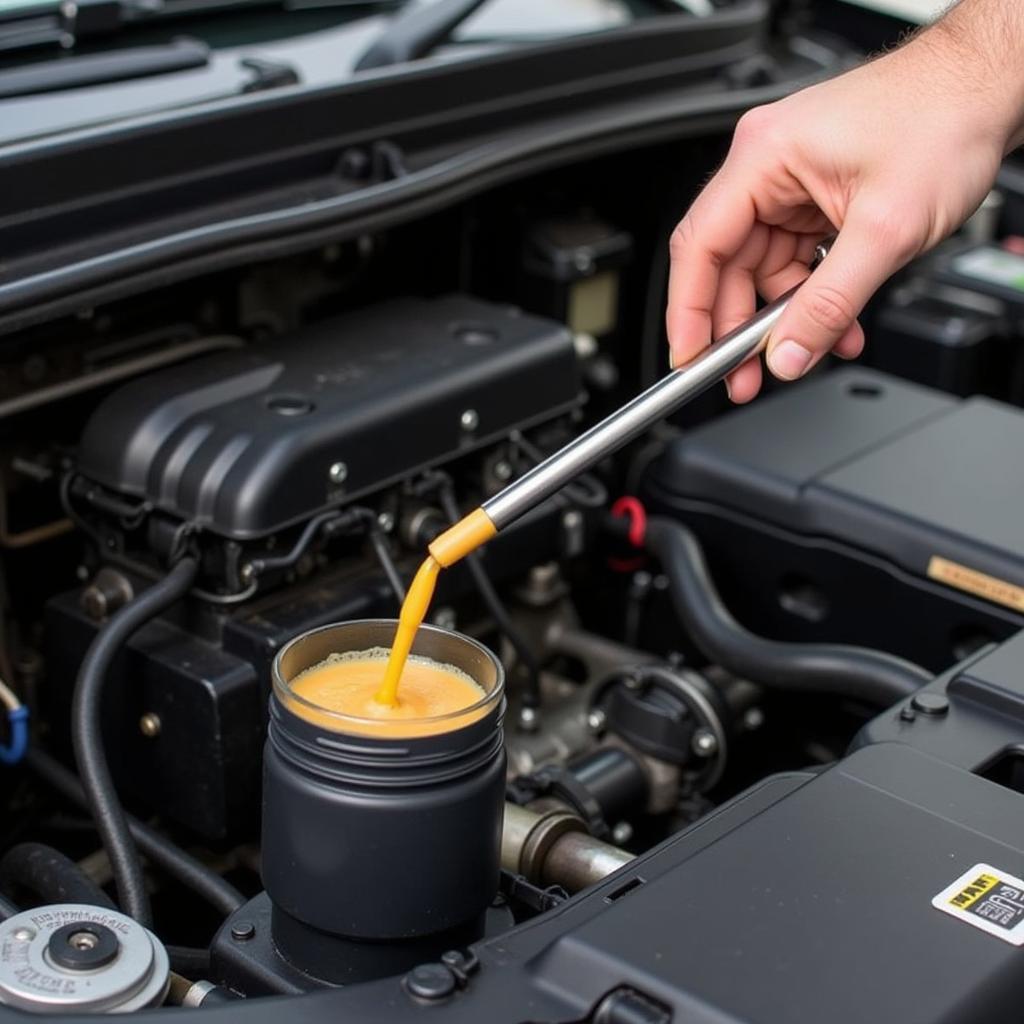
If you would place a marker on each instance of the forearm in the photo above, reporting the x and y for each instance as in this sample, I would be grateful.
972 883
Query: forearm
980 45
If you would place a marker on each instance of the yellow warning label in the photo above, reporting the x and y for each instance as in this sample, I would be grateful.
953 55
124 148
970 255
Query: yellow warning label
978 583
973 891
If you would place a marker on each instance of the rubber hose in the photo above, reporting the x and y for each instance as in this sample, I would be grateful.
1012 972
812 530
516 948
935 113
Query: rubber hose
47 874
172 859
855 672
191 962
7 908
87 735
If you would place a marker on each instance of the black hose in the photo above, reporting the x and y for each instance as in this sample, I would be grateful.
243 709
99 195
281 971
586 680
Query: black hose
47 874
387 564
175 861
7 908
87 735
193 963
855 672
531 696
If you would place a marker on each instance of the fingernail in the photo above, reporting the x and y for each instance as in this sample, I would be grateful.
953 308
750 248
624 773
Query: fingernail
788 360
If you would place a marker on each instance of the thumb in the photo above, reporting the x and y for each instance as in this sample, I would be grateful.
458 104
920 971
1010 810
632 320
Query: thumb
829 302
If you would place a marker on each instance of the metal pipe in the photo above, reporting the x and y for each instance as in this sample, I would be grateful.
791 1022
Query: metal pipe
554 848
639 415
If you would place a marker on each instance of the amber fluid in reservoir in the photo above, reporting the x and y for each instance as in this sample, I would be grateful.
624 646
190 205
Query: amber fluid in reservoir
435 698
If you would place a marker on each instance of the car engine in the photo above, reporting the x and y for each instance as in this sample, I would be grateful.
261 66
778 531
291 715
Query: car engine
761 755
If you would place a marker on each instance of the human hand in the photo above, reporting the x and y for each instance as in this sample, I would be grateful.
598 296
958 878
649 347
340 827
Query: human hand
893 155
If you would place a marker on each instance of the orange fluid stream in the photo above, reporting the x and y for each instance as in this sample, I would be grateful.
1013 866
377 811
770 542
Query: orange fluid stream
389 693
465 536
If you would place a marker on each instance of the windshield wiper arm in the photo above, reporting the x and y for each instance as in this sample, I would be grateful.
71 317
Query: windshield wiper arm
415 31
101 68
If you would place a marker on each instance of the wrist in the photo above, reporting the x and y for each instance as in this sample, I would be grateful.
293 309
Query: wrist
976 52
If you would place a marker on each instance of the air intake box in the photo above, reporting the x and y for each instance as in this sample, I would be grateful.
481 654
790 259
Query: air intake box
863 509
247 442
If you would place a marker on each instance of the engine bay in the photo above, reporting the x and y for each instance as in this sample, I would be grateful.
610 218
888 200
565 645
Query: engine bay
763 685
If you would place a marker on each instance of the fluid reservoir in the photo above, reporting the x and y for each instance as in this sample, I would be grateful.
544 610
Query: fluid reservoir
381 848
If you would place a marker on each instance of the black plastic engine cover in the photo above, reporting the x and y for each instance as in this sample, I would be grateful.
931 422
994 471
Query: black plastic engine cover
855 491
242 443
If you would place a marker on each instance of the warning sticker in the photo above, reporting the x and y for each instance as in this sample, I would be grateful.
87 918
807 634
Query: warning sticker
989 899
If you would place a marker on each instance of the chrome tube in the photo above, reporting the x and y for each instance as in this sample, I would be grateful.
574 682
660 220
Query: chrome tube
660 400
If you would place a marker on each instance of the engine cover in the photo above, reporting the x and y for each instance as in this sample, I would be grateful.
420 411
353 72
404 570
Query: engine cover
247 442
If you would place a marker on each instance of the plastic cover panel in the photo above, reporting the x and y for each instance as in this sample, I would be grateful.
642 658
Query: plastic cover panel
242 443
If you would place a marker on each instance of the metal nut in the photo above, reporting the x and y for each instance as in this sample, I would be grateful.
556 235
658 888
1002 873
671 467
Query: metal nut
338 473
149 725
704 743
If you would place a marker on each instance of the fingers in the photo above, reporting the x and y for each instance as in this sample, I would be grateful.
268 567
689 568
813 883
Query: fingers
823 313
709 236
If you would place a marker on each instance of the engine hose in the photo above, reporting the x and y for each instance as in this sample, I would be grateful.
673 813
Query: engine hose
170 858
855 672
48 874
483 584
7 908
189 961
87 735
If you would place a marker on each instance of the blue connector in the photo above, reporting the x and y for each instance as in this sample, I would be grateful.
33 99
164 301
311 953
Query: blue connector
17 719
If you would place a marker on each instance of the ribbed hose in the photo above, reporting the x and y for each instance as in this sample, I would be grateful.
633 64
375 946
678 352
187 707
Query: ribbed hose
47 874
175 861
87 736
855 672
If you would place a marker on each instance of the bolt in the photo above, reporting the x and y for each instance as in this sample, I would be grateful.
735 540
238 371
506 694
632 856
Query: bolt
502 470
622 833
386 521
597 720
83 940
149 725
753 718
338 473
243 931
704 743
23 934
469 420
529 720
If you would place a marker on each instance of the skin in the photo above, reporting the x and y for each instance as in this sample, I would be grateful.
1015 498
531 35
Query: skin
894 155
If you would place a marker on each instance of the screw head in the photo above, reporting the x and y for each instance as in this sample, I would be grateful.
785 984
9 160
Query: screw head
704 743
242 931
386 521
149 725
23 934
430 981
469 420
622 833
338 473
596 720
529 719
502 470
